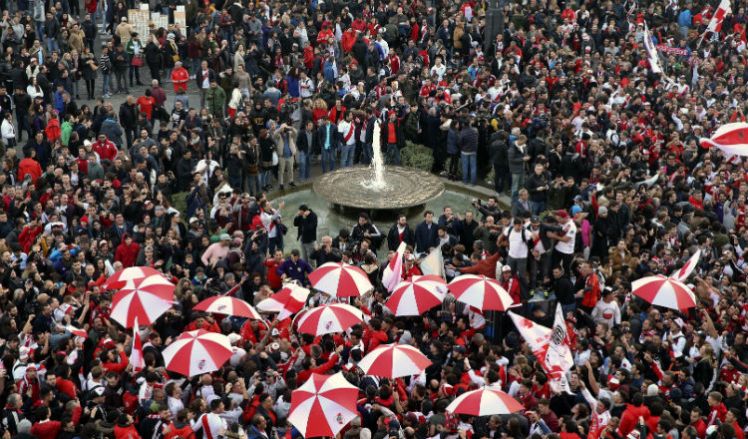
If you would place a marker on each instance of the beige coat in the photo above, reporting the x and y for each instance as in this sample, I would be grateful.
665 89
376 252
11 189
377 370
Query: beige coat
279 142
124 30
76 40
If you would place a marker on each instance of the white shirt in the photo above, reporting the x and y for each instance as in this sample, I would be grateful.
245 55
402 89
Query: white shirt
306 87
609 313
8 130
343 128
517 245
216 424
205 76
570 230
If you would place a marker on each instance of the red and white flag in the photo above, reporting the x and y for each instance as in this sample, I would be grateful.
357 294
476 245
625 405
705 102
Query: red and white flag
715 24
558 358
136 354
392 274
538 337
732 138
687 268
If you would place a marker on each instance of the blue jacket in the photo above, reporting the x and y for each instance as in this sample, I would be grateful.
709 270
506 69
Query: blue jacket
294 270
425 237
684 18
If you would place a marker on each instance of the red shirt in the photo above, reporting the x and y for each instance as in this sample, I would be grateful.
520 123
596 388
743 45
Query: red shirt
146 104
46 429
180 77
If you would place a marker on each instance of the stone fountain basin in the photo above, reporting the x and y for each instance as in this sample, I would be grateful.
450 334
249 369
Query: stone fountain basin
406 188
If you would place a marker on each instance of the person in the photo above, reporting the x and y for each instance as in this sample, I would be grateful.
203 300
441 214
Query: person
563 251
518 239
426 233
285 146
393 140
180 78
518 159
204 77
306 223
328 142
400 232
294 268
467 141
307 143
365 229
347 131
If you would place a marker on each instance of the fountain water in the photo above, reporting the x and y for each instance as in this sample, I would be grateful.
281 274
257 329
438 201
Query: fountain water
376 187
376 182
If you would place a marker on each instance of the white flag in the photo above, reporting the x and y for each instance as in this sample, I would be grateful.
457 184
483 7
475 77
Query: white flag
433 263
654 60
559 357
686 270
393 272
715 24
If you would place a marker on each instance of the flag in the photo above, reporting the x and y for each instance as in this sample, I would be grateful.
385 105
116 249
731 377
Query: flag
393 272
686 270
648 182
653 58
77 332
433 263
136 354
558 357
731 138
715 24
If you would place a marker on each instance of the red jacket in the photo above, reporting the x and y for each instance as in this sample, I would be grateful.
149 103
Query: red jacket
106 150
46 429
128 432
127 254
53 131
630 417
307 373
486 267
118 367
31 167
180 77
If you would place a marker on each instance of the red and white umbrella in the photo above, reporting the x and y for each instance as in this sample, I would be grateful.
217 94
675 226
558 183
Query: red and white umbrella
197 352
119 279
328 319
286 302
228 306
142 299
323 405
339 279
480 292
77 332
663 291
484 402
417 295
394 360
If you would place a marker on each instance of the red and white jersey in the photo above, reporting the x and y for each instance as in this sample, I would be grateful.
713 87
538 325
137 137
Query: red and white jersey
212 424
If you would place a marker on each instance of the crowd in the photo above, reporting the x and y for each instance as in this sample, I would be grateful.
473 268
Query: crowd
598 155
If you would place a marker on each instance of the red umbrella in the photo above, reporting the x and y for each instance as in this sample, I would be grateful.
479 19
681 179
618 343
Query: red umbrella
323 405
286 302
339 279
480 292
484 402
119 279
327 319
142 299
417 295
663 291
394 360
197 352
229 306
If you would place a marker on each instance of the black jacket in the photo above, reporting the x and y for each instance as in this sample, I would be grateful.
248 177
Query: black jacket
128 115
212 76
399 135
426 237
302 143
307 227
393 237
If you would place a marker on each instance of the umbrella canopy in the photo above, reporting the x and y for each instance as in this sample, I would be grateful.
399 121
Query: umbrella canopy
328 401
197 352
286 302
417 295
340 280
327 319
119 279
663 291
484 402
229 306
480 292
77 332
142 299
394 360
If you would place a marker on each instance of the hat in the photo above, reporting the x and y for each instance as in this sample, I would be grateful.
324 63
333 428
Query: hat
459 349
561 213
193 220
506 268
602 210
534 219
170 36
23 352
275 332
575 210
123 19
614 383
97 391
578 198
225 237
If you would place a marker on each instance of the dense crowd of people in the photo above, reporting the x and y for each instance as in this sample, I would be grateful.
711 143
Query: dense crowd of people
598 155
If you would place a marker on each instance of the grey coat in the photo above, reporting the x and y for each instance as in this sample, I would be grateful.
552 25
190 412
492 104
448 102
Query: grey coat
516 160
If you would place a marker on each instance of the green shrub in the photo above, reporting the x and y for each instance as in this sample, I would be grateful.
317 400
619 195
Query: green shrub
417 156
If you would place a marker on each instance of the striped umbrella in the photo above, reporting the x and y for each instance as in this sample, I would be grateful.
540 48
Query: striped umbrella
480 292
286 302
394 360
228 306
142 299
663 291
328 319
484 402
339 279
323 405
417 295
197 352
119 279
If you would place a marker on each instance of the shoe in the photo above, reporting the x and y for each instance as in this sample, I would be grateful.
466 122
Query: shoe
292 184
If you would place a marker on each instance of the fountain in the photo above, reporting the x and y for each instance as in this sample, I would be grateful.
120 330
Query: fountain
376 187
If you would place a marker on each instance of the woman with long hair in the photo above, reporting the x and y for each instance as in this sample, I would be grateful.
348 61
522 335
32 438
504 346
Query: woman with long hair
88 67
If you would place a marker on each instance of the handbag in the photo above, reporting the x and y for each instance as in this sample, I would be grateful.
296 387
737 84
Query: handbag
275 158
137 61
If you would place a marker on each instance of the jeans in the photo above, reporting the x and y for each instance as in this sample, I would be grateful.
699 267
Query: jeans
307 248
367 153
469 167
304 166
502 178
52 45
254 184
134 72
537 207
518 182
346 155
120 75
393 154
106 78
328 160
267 176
